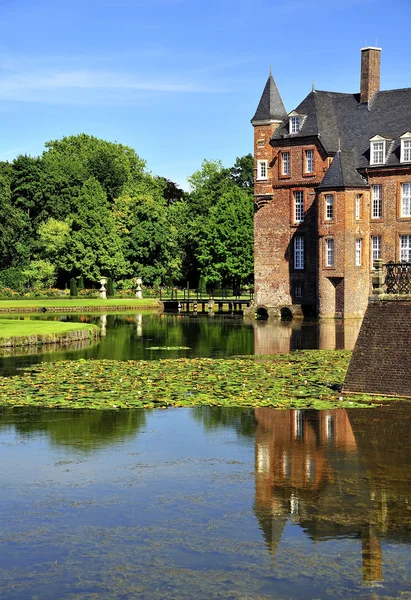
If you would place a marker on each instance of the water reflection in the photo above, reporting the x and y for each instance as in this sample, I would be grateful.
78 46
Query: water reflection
336 474
206 503
275 336
85 430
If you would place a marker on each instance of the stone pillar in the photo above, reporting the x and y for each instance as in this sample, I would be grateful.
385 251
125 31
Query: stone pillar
378 278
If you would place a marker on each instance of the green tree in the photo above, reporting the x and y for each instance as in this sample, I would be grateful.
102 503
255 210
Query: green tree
40 273
73 287
95 246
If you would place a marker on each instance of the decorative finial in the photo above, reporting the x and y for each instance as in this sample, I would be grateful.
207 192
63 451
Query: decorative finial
339 145
313 86
271 71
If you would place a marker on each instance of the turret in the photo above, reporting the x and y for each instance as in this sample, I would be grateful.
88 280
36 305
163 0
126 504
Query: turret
269 114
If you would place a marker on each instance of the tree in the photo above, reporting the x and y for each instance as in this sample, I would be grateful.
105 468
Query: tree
148 236
40 273
242 173
225 249
73 287
95 247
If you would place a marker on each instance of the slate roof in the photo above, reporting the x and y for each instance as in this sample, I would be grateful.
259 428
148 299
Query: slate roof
270 107
333 116
343 173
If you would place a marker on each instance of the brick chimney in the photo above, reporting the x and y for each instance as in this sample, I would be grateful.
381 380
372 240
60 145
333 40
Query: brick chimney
370 72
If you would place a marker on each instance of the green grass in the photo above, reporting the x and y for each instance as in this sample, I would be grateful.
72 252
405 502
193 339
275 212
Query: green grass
17 328
51 303
296 380
15 333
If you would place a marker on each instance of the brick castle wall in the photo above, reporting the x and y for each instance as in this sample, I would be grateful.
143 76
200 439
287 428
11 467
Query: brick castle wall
381 360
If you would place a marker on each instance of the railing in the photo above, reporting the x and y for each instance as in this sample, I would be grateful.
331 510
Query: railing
392 278
195 294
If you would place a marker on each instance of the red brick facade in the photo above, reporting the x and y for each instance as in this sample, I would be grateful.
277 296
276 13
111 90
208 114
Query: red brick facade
314 242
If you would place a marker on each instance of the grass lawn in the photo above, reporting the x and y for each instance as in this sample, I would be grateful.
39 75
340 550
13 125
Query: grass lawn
85 303
15 332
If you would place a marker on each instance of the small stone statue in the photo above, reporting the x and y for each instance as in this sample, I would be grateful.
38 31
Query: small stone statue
103 291
139 293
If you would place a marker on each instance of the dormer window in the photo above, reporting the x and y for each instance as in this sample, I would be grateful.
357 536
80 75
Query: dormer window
377 153
378 149
406 148
294 124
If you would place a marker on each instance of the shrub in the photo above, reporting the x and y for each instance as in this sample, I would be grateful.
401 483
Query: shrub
12 278
80 283
73 287
110 287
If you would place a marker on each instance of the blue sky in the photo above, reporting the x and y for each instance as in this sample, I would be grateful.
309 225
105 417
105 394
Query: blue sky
179 80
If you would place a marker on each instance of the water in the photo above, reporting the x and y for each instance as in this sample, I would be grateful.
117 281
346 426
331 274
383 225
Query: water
205 503
132 337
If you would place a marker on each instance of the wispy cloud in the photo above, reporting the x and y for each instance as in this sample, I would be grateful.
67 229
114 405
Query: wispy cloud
87 86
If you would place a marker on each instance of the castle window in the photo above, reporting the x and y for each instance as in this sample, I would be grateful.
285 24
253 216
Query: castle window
358 206
329 252
358 252
294 124
406 199
375 248
329 207
298 206
376 201
298 290
377 153
262 169
309 161
285 163
298 252
405 248
406 147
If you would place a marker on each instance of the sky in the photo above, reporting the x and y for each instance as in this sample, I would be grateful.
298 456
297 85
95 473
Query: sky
179 80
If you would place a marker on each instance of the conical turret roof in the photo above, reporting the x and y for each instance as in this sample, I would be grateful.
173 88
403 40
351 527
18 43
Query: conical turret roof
270 107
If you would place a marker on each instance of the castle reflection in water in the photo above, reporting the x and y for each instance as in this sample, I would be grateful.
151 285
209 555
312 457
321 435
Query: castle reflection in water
276 336
336 473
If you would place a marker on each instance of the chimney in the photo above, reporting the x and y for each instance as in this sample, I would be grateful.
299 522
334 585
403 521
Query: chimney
370 72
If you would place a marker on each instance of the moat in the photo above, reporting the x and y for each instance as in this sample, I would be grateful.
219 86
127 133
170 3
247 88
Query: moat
204 502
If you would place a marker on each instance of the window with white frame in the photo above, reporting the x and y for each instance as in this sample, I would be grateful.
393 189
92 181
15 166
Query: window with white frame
358 206
285 163
298 206
309 161
406 199
376 201
329 207
298 252
405 150
405 155
358 252
405 248
377 153
295 124
262 169
329 252
376 245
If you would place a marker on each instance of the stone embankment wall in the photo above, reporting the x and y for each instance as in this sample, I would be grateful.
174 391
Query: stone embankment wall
83 309
68 337
381 360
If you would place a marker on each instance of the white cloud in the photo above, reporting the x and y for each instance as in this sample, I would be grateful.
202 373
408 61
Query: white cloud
87 86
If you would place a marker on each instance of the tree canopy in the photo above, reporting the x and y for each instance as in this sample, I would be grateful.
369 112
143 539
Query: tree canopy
88 208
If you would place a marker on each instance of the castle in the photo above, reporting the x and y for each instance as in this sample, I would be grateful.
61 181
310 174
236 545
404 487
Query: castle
332 194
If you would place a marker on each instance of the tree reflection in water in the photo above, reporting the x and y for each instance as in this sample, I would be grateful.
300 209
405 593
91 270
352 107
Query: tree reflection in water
84 430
